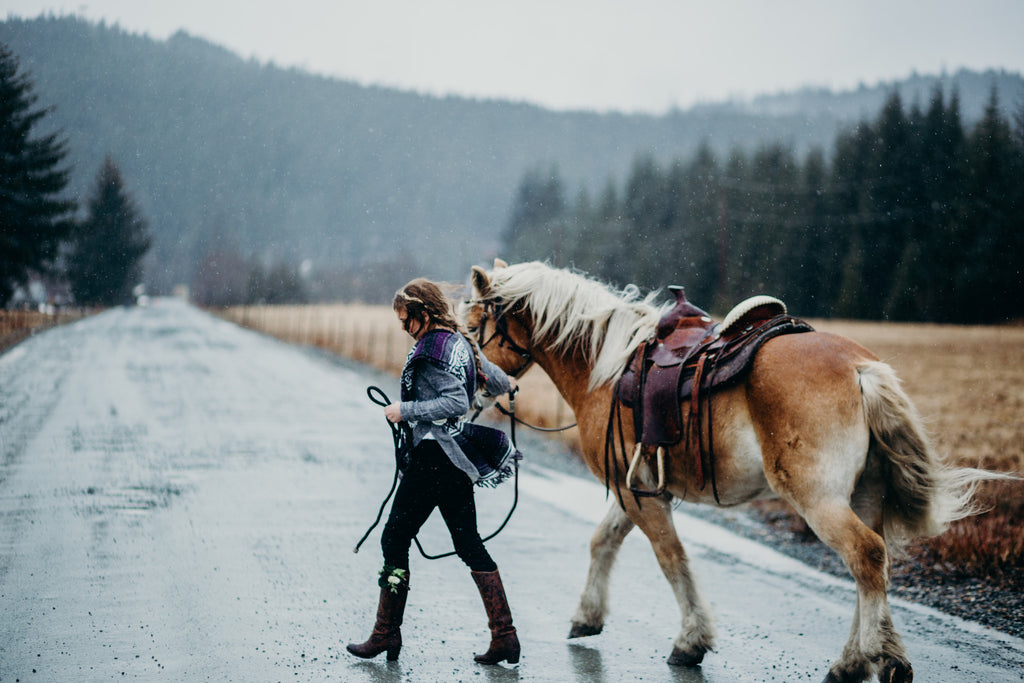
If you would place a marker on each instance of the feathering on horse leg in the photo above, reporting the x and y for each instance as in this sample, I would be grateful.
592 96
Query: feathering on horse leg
697 634
604 548
854 667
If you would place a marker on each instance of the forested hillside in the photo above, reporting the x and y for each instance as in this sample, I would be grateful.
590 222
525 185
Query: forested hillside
913 216
232 160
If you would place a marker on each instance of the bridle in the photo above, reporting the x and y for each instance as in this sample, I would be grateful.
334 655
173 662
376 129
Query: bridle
505 340
501 333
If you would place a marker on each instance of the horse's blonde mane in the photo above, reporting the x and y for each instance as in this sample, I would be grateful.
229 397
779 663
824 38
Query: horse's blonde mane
572 312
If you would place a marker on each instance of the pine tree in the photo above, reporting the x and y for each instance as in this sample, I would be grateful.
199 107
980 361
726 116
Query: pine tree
537 221
990 280
733 207
852 180
107 249
645 207
887 234
925 285
810 281
33 217
702 257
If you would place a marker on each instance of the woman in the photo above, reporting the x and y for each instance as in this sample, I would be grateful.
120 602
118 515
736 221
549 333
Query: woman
438 383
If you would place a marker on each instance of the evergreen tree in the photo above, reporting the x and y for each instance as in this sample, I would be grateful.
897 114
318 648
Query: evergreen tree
810 263
106 251
586 245
674 236
890 200
925 279
33 218
913 219
646 210
852 180
536 227
991 279
732 221
704 252
611 226
774 186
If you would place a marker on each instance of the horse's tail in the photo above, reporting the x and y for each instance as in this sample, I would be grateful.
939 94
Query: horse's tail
923 494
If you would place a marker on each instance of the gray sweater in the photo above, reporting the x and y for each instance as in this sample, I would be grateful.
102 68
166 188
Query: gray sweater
440 395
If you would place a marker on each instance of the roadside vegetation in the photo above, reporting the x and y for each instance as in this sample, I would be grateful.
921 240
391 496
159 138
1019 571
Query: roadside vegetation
15 326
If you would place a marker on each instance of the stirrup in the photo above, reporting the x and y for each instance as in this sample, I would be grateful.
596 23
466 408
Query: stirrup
661 473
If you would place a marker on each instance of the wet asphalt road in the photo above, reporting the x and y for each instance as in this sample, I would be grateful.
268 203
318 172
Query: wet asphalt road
179 499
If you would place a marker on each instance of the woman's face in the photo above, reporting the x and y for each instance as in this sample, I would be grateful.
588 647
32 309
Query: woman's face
415 328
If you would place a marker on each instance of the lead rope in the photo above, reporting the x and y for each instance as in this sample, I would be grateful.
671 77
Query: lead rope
401 436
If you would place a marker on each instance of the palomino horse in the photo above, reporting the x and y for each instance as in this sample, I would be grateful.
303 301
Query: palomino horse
818 421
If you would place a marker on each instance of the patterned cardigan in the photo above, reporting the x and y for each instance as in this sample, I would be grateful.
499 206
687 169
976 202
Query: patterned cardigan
437 386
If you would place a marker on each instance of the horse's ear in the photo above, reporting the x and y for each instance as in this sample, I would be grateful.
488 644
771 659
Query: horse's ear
481 283
498 263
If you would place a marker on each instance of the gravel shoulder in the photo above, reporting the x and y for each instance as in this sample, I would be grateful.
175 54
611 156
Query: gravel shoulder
993 601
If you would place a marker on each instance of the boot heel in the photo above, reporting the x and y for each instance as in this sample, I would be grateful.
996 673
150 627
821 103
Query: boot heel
393 652
513 659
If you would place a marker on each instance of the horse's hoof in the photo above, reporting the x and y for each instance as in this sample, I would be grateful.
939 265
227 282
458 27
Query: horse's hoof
896 672
681 658
855 676
583 630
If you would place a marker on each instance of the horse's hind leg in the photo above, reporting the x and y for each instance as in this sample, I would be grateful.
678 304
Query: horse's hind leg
807 407
874 645
604 547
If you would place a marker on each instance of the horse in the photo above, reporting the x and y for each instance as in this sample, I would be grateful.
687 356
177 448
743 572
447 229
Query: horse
818 420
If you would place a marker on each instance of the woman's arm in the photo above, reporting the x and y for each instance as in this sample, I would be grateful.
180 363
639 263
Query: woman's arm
498 382
447 396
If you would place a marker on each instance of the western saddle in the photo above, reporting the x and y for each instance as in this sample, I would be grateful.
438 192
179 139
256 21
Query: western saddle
689 357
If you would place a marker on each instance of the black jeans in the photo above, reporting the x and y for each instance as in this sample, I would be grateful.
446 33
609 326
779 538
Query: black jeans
432 481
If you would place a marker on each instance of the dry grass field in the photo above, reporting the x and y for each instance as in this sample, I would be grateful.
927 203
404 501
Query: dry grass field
15 326
968 383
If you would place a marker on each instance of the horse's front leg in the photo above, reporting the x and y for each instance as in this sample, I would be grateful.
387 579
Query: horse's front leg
697 636
604 547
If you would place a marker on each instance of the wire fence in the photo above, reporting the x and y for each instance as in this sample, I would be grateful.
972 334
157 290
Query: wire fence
373 335
16 325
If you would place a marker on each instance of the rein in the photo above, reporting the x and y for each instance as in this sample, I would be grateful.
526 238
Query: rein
512 415
402 436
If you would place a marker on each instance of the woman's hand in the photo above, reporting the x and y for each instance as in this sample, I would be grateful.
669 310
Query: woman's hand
513 384
393 412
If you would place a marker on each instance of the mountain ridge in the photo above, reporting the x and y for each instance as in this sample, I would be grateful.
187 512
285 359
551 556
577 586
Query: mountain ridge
283 165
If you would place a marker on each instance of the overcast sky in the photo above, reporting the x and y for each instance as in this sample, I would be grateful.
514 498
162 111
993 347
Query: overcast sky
625 55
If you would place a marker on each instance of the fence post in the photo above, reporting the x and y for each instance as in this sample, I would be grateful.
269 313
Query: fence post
370 335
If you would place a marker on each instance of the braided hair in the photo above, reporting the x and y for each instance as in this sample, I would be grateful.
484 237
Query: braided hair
425 302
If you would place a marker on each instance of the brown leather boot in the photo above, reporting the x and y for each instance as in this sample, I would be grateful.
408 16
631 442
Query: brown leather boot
386 632
504 642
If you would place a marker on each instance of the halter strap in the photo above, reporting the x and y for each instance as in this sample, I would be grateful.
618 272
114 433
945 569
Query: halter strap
504 338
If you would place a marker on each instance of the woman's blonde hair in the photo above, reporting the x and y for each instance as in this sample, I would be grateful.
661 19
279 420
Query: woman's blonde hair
426 302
